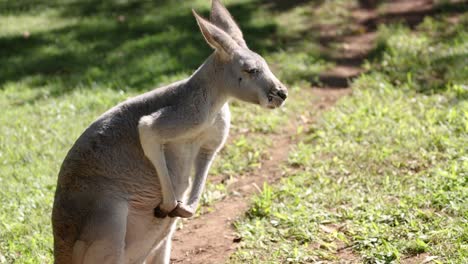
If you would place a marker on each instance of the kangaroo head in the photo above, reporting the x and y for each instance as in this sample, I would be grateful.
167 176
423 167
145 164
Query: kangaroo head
244 73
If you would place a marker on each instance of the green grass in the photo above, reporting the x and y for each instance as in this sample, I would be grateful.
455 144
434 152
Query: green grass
63 63
385 172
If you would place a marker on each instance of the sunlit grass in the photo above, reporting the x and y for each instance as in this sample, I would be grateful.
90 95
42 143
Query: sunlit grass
384 172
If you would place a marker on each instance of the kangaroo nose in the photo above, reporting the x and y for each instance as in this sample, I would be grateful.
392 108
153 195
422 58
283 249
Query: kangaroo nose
282 94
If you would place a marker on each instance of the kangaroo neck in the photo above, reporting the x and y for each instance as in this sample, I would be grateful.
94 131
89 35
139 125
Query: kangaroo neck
207 82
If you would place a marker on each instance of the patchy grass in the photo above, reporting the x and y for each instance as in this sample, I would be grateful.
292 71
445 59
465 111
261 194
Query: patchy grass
383 173
34 139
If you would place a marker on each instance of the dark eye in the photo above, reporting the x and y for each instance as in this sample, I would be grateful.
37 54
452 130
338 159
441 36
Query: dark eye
252 71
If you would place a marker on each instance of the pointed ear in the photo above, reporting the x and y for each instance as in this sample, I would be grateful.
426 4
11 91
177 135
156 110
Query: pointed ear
217 38
221 17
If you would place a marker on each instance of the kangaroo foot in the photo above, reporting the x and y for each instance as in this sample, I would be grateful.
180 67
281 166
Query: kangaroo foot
163 210
182 210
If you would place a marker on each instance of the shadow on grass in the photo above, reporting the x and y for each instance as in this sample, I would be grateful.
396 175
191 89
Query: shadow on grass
411 19
136 45
284 5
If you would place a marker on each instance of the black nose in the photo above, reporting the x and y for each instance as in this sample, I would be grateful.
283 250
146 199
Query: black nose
282 94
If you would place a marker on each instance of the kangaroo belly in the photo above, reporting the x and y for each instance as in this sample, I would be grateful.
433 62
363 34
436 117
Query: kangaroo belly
146 194
180 158
144 230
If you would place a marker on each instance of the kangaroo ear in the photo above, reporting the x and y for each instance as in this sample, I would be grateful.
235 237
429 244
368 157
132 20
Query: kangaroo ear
216 37
221 17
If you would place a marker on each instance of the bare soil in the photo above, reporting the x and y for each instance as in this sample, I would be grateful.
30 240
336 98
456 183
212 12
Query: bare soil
211 238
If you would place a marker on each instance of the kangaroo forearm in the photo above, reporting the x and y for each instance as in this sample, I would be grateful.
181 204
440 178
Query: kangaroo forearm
202 166
154 151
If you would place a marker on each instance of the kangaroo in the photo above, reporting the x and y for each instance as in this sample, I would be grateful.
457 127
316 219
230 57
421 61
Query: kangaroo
128 177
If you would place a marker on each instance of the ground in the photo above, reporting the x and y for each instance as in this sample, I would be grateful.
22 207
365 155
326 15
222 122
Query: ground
367 162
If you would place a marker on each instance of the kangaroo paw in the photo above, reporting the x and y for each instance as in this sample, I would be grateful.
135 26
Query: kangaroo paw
182 210
159 213
165 208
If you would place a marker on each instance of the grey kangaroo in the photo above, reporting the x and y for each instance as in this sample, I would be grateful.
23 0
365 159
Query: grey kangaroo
129 176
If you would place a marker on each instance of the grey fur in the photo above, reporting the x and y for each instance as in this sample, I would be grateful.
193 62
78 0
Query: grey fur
139 155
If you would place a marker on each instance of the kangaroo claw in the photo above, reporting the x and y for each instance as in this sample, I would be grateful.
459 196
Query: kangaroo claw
182 210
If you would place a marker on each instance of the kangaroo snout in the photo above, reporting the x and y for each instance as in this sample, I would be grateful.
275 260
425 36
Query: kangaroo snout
277 96
283 94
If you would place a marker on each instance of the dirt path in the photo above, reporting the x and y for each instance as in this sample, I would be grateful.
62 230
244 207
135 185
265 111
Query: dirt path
210 238
214 237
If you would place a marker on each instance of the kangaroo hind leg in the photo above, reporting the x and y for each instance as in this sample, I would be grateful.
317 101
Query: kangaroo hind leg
103 237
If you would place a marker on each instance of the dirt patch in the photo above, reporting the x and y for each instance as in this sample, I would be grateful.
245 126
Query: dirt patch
419 259
355 46
346 255
210 237
348 50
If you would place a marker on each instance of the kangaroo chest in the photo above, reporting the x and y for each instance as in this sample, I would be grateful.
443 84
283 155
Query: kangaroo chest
143 229
180 156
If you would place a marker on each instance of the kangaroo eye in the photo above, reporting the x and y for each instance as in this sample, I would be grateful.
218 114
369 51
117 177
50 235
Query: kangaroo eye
252 71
